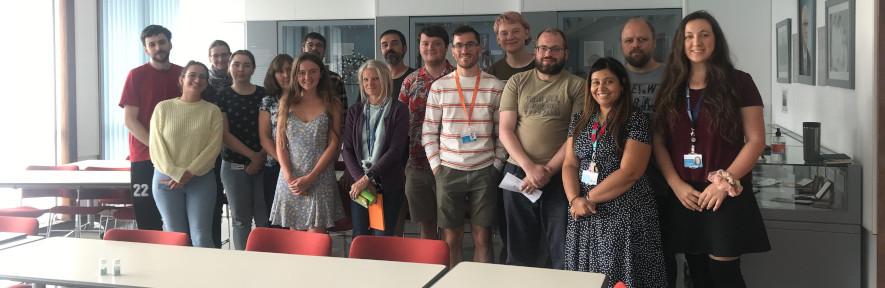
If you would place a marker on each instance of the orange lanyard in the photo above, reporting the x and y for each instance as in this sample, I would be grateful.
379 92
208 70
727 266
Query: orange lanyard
461 94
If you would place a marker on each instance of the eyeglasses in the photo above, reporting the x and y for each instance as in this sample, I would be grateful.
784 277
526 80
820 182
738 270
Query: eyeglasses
554 49
468 45
192 75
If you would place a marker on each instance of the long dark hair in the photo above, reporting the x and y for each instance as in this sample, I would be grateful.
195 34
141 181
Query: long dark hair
294 95
621 110
270 80
720 96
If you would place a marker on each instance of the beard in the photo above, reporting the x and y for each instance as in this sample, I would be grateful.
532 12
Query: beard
161 56
550 69
637 58
393 58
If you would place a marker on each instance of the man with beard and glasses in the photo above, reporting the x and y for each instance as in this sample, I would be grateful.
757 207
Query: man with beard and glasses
315 43
146 86
420 184
536 109
638 45
462 146
646 74
393 47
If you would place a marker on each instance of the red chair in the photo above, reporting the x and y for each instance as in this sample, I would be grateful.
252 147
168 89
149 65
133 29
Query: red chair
19 225
620 284
263 239
147 236
22 211
400 249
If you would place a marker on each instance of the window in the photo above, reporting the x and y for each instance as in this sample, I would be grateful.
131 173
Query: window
483 24
349 43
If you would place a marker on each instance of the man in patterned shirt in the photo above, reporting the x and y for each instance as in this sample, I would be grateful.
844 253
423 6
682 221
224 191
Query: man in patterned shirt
420 185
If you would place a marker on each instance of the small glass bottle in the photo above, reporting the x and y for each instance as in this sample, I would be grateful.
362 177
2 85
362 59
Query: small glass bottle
778 148
103 267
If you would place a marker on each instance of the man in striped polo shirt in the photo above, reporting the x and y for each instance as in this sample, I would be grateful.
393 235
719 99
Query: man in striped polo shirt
460 138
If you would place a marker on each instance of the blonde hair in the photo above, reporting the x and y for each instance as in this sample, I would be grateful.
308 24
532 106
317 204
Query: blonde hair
383 75
512 17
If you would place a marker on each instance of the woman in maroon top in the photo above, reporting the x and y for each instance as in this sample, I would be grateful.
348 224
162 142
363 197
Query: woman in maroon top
706 149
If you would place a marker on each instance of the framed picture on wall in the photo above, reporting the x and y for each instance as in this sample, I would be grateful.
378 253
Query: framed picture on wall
782 32
807 24
840 43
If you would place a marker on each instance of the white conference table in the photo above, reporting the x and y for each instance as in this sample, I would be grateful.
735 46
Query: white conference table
102 164
26 240
49 179
482 275
75 262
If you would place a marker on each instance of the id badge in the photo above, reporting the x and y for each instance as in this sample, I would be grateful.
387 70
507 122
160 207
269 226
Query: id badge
693 161
589 177
235 166
468 136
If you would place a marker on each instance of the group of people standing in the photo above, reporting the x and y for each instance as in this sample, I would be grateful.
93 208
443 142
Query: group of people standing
603 152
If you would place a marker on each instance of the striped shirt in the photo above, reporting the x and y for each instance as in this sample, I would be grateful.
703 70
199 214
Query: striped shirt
445 122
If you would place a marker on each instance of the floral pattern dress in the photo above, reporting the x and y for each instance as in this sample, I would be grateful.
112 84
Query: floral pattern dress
321 205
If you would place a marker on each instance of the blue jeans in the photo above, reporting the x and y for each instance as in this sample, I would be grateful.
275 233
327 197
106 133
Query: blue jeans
245 195
187 209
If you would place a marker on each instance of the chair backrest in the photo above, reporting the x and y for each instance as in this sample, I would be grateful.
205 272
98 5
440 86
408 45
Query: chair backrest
620 284
18 225
400 249
147 236
263 239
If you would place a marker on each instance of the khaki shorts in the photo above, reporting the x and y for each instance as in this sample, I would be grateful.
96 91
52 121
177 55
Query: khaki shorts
421 194
456 189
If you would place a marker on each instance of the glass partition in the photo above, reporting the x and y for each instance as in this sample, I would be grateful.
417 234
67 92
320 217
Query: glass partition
482 23
349 44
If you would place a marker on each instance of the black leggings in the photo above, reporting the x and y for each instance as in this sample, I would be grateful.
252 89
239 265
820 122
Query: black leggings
706 272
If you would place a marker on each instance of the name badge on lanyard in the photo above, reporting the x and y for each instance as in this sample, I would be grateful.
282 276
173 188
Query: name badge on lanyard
467 134
693 160
591 175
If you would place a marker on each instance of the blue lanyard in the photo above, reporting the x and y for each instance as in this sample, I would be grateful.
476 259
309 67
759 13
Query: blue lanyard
374 127
693 113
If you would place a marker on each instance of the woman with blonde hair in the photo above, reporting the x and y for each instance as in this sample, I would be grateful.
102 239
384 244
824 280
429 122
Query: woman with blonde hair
376 147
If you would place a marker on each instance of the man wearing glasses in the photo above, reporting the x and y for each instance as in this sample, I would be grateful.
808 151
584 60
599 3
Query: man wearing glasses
315 43
462 146
536 108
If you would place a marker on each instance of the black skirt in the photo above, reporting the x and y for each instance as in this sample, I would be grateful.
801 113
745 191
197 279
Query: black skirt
735 229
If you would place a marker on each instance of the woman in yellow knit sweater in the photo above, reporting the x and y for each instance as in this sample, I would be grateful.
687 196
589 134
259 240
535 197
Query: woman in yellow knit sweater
185 139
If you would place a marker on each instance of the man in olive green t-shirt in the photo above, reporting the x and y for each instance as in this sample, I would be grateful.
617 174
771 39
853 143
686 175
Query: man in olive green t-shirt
536 108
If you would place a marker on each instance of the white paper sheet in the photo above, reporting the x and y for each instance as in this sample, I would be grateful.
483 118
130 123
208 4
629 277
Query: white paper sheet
513 183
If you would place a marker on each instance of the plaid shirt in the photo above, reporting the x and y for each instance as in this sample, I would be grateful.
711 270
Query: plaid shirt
414 94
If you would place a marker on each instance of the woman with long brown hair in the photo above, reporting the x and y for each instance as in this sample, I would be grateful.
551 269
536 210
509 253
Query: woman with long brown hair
709 131
276 81
307 142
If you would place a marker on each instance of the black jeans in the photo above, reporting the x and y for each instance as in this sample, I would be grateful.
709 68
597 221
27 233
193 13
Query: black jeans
220 199
536 231
146 214
271 175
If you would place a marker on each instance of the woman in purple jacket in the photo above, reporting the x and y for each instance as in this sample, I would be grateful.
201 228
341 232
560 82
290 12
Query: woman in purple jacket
375 147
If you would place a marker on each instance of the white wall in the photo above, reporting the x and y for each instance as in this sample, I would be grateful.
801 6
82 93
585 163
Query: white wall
848 117
570 5
260 10
88 93
446 7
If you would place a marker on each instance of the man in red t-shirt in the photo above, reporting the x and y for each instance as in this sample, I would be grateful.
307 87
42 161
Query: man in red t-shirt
146 86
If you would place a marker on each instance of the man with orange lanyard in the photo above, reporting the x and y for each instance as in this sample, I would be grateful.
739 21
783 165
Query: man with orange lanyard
460 136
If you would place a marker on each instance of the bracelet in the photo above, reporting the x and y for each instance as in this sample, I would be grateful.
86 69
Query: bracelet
573 200
724 175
